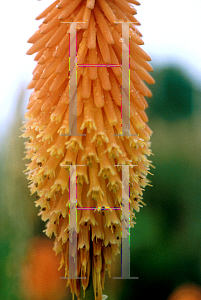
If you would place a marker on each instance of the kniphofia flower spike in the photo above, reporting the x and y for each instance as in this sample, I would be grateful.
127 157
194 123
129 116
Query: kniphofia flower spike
98 150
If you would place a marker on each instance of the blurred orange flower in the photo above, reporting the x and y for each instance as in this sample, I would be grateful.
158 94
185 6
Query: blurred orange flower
189 291
40 278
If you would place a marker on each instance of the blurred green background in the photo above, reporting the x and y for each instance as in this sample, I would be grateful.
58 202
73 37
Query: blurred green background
166 241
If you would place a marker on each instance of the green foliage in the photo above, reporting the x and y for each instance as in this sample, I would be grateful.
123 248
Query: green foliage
18 215
165 242
173 94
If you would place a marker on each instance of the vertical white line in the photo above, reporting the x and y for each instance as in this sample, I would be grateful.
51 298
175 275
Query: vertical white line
125 80
73 225
72 82
125 250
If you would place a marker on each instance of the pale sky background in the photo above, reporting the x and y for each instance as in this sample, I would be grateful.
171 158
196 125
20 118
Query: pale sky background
171 32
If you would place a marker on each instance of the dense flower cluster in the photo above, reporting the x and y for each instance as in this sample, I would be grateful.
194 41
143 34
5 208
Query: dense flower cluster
99 179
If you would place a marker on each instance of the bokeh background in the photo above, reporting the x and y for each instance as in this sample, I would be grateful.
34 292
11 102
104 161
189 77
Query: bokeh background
166 241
